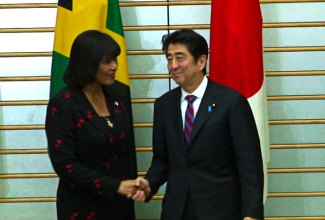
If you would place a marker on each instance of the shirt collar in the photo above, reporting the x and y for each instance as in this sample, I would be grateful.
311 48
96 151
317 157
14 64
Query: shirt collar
199 92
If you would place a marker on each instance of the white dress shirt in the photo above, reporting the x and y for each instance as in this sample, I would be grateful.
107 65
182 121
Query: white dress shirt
199 92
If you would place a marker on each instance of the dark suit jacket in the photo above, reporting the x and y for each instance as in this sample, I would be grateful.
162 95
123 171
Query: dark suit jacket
222 167
90 158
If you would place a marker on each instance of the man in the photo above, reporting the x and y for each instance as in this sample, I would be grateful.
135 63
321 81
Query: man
217 174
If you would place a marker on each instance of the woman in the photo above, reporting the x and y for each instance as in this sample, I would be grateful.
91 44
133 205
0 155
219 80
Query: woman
90 134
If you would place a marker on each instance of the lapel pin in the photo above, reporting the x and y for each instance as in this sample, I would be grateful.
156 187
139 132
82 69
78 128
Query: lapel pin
211 107
115 103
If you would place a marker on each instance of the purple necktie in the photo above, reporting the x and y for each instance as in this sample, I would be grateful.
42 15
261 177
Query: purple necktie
189 118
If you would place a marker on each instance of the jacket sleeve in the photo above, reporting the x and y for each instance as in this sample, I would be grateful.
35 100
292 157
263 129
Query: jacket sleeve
158 172
248 157
122 91
132 153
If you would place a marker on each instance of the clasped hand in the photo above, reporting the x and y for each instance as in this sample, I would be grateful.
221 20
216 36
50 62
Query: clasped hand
138 189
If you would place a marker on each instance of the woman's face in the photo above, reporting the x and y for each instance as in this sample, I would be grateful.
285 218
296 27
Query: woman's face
106 71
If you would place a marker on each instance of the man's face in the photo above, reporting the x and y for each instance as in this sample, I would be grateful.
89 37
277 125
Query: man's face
183 69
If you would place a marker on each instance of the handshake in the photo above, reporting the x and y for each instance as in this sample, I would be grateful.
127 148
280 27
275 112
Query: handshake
137 189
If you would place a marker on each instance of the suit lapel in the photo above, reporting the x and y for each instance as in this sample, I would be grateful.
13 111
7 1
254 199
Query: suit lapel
86 109
206 109
116 107
176 120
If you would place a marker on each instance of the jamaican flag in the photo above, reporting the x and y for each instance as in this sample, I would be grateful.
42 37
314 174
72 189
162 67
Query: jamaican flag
77 16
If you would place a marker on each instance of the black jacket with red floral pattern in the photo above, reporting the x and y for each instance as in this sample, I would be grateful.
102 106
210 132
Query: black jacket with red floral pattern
91 158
